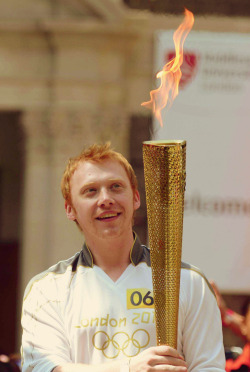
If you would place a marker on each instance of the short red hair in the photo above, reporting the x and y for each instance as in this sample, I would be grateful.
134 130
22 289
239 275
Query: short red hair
96 153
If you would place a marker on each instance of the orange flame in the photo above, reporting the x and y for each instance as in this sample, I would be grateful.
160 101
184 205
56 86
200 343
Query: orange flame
171 74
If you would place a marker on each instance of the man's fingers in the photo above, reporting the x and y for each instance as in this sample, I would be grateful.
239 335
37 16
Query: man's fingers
171 369
168 360
167 351
158 358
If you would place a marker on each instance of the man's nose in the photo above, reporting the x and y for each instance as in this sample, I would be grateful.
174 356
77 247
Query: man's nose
105 198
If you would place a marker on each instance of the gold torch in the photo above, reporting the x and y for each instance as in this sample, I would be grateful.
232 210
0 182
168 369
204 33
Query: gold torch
164 172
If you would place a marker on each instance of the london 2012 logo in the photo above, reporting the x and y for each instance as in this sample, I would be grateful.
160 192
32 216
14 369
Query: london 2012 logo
189 66
121 342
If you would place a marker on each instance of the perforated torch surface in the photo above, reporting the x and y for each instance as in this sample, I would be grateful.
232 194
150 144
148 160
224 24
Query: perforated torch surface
165 175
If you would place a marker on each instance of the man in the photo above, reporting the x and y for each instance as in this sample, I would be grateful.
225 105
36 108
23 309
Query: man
94 312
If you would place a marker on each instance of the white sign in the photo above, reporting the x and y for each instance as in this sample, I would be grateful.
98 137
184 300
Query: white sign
212 113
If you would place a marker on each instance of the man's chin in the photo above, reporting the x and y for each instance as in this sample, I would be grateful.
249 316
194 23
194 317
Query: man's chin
111 233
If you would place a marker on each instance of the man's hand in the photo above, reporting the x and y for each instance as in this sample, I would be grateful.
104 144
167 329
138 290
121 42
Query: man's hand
158 358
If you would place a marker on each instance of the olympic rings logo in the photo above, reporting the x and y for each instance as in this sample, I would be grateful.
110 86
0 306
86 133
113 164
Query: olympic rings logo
121 342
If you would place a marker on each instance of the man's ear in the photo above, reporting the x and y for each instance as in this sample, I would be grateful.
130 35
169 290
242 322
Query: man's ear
70 212
137 200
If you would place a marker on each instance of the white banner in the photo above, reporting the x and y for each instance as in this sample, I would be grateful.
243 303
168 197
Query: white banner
212 113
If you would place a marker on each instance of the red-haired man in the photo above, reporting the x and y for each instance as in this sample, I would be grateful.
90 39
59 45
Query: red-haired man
94 312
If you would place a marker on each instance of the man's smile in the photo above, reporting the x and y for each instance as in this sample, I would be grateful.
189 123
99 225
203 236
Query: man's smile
108 216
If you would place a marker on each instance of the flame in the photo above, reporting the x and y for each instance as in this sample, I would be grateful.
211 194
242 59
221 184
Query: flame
171 73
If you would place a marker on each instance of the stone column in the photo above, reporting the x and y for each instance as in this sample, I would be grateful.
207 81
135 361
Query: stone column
36 209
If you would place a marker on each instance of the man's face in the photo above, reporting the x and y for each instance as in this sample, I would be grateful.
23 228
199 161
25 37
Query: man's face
103 202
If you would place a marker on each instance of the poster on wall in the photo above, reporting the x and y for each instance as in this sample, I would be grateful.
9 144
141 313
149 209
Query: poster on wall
212 113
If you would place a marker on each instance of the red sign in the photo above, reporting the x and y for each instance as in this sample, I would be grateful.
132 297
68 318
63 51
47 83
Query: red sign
188 67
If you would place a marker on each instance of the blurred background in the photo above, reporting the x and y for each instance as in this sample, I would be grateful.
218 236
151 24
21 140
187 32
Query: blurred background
74 72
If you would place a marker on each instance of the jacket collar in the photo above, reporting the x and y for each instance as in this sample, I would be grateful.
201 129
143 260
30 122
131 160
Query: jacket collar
136 253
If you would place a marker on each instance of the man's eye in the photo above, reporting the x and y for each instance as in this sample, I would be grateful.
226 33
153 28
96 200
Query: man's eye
116 186
90 191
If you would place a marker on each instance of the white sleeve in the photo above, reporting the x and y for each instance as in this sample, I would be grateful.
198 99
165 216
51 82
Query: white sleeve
44 341
202 341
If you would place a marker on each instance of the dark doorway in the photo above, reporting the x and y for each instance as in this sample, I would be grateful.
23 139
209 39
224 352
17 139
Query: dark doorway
11 171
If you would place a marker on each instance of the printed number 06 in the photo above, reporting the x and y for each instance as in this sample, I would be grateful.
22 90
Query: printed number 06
147 299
